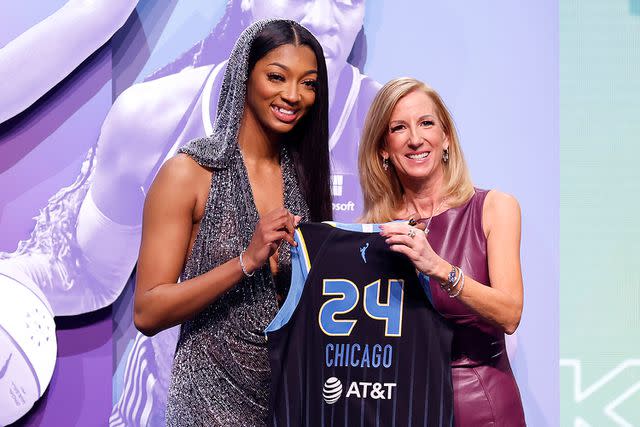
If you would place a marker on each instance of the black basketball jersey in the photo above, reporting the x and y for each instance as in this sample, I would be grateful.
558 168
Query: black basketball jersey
357 341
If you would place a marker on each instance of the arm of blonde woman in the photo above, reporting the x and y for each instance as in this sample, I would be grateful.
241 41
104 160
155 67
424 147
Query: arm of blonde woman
168 220
501 301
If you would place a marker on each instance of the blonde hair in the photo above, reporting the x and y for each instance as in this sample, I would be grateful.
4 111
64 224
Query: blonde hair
381 190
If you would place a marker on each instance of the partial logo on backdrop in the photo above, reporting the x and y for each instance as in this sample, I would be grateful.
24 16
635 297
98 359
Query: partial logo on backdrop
607 397
28 348
337 186
5 366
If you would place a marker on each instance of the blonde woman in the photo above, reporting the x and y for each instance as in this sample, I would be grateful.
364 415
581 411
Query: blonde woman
412 167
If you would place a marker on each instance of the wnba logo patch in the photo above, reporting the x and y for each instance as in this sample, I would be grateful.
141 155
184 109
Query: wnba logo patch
332 390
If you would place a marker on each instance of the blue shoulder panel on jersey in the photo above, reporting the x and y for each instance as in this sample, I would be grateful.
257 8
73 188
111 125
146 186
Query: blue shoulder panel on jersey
300 266
362 228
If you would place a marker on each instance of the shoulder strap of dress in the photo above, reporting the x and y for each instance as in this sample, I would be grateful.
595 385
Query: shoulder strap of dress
478 199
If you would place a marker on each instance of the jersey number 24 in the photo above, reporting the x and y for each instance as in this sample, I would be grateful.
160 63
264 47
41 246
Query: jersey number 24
346 297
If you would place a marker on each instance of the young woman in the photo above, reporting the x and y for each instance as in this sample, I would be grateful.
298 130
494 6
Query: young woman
219 217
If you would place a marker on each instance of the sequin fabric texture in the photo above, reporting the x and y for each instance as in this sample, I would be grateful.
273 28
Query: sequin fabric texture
221 373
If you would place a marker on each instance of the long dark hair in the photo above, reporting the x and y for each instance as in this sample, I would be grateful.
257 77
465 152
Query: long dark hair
308 142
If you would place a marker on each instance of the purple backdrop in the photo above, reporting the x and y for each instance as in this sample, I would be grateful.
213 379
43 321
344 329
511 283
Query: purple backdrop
79 151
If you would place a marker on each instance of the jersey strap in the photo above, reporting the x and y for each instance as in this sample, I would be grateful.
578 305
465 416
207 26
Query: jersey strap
300 266
361 228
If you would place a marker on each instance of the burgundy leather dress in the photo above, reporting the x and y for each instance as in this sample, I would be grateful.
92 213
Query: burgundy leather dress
485 392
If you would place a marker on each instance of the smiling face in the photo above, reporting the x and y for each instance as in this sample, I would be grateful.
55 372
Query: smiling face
415 139
335 23
282 87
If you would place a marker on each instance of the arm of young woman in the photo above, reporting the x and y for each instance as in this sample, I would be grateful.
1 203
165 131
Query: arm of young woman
501 302
168 220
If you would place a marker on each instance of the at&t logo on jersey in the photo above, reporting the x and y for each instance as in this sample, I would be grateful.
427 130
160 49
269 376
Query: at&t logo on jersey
332 390
365 390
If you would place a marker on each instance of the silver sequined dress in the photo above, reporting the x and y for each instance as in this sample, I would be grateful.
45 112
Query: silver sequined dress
221 370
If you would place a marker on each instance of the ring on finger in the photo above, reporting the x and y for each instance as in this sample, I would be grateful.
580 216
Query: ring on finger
412 232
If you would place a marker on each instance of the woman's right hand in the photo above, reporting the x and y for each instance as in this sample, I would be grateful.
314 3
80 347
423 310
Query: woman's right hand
272 229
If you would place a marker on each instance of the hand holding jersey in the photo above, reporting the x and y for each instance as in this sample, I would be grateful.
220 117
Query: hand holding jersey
404 239
272 229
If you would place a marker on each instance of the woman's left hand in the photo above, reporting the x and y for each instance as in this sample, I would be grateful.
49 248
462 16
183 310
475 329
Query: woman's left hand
412 242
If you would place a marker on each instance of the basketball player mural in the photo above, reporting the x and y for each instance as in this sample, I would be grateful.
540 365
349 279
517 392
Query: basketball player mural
85 242
25 78
28 343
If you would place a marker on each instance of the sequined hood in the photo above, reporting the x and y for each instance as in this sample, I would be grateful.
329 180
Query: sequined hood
216 150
